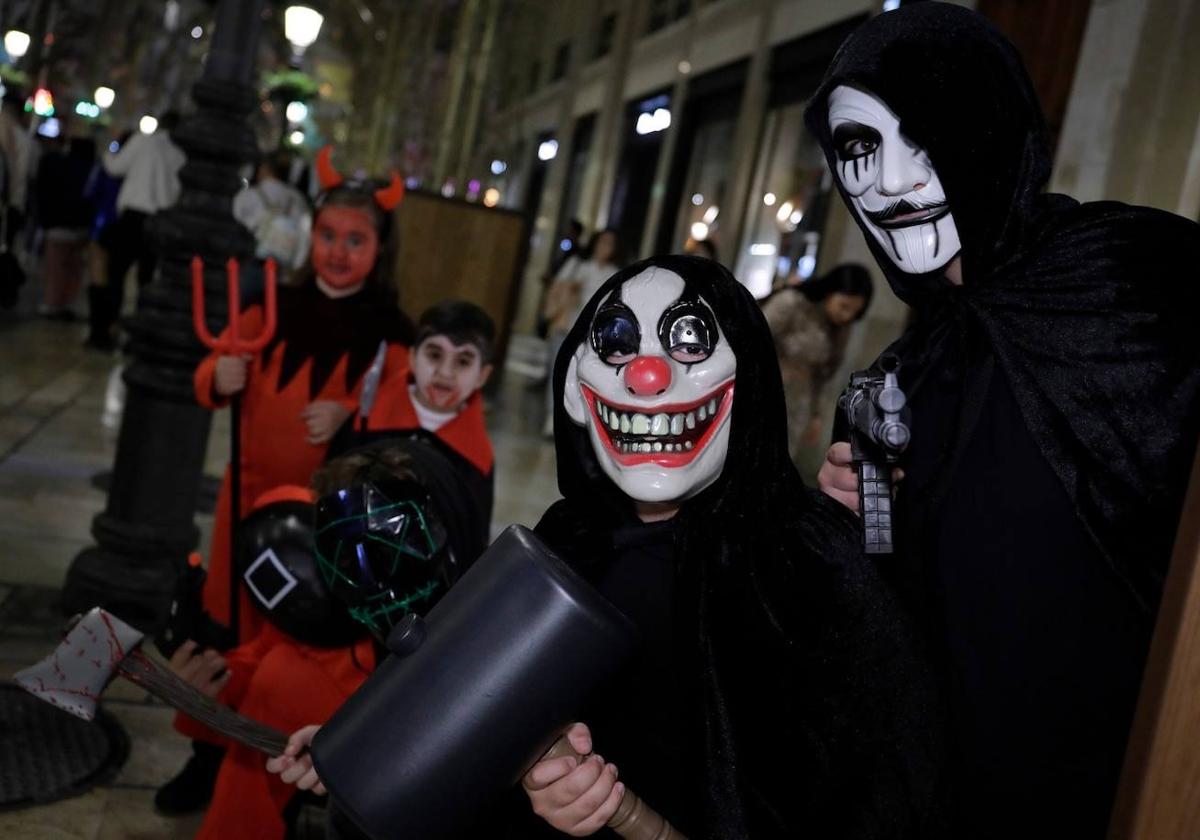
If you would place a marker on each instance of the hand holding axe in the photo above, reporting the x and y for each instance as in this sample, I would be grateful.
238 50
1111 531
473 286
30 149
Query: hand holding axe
101 646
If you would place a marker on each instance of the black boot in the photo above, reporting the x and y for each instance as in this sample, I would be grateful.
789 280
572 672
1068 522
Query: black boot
100 320
192 788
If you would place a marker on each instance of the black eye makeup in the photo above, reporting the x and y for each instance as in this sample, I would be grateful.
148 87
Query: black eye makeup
856 145
688 331
615 333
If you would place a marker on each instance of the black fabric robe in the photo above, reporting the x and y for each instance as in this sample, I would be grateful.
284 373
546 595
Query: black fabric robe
803 704
1055 398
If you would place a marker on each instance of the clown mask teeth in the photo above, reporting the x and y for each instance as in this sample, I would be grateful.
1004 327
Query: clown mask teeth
632 432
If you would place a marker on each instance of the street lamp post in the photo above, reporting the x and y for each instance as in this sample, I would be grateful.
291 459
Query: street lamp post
147 529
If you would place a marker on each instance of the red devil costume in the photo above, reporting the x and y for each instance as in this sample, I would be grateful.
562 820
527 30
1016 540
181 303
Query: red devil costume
330 329
322 347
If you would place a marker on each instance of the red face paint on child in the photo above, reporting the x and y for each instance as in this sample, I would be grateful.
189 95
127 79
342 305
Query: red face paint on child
345 246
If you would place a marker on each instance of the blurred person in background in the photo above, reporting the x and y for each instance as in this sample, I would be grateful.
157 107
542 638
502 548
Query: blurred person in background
65 215
701 248
574 284
277 213
19 156
17 153
149 165
568 247
810 322
101 191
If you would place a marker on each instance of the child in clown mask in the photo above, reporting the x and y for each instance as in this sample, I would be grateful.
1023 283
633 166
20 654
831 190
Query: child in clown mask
764 630
298 391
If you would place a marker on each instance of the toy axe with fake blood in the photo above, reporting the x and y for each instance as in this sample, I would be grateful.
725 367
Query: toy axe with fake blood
101 646
233 343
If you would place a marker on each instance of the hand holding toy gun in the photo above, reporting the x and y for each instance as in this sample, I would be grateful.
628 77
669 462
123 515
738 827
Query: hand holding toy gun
873 407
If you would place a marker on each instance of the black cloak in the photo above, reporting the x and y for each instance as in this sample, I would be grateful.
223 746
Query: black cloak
1055 401
1087 308
809 712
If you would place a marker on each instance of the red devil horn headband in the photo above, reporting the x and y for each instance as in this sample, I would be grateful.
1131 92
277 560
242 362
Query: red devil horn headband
327 176
386 197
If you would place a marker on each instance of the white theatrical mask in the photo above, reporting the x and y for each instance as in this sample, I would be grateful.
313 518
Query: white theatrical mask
892 184
653 384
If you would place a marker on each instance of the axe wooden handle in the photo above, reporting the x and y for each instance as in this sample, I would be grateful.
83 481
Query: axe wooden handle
145 672
634 819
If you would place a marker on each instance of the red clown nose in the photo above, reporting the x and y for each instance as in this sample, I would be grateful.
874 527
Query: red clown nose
647 376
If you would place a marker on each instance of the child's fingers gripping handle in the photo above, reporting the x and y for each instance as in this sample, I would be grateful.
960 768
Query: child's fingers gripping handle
634 819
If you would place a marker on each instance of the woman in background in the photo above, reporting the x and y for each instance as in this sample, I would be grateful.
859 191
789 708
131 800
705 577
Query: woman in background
574 285
810 323
65 215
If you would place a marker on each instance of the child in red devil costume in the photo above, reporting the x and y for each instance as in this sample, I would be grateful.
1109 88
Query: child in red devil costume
295 395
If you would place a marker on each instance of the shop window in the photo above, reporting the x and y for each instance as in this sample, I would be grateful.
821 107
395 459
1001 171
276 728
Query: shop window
706 189
604 35
785 214
663 12
562 58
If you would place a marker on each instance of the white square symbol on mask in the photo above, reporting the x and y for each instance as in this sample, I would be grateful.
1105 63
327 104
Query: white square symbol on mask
269 579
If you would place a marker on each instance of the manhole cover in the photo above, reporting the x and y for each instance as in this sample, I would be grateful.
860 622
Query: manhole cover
47 754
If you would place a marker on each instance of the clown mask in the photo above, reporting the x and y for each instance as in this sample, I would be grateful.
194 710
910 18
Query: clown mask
653 385
345 245
446 374
891 183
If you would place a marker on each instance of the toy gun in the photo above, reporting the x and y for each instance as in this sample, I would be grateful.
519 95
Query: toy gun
187 618
872 407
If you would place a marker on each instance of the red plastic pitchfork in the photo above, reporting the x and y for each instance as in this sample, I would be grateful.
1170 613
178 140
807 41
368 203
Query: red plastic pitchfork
233 343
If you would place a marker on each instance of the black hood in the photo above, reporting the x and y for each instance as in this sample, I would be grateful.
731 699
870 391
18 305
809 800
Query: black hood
962 94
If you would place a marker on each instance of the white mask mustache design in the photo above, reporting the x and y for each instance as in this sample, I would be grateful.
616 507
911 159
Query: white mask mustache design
892 184
653 385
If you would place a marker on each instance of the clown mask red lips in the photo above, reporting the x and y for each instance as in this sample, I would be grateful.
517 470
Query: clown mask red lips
672 436
345 246
654 385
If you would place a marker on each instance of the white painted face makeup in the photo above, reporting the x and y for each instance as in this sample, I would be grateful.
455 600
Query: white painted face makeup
653 385
892 184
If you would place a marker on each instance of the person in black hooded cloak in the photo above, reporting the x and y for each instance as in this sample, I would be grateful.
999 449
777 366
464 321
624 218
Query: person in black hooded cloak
778 690
1054 385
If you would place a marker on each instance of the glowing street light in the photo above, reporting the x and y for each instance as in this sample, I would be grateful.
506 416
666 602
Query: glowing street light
296 112
16 43
43 103
147 124
296 137
104 97
547 149
499 167
301 26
